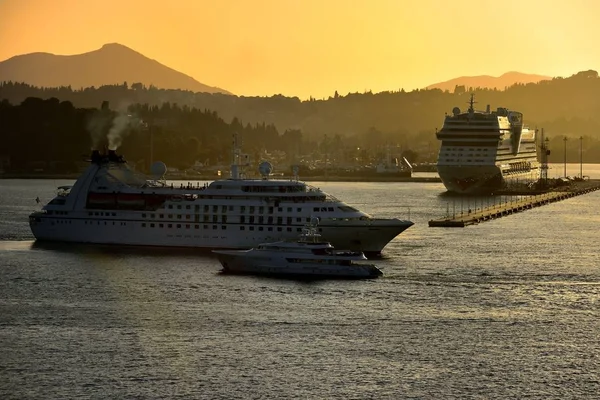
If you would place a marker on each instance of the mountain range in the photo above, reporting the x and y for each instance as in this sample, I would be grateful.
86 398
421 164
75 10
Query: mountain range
109 65
115 63
489 82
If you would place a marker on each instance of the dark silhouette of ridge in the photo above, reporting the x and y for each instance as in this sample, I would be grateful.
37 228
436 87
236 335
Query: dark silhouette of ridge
111 64
489 82
51 124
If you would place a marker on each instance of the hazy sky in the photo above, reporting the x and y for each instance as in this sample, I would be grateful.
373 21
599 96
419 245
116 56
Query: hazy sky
314 47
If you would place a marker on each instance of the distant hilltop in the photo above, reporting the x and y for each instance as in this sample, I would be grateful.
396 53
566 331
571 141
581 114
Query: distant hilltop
109 65
490 82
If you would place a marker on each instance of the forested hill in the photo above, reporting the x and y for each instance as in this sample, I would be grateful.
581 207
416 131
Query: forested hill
486 81
563 106
54 136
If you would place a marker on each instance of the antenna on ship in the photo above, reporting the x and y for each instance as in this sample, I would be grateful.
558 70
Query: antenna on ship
471 103
235 158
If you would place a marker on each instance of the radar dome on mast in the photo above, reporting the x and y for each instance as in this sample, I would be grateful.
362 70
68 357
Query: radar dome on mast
265 168
158 169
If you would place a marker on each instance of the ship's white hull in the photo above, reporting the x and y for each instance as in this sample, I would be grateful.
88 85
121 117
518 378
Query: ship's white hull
369 237
111 204
274 265
482 179
485 151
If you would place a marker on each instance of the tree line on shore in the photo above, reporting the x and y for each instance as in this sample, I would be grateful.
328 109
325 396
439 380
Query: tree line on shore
58 125
55 136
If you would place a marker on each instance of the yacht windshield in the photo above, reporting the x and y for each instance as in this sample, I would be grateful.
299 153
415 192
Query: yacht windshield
63 190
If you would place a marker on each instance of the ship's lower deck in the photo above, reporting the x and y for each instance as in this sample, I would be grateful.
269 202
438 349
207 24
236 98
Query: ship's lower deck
367 236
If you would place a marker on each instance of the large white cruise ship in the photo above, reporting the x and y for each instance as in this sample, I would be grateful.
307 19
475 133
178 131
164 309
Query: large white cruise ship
483 151
112 204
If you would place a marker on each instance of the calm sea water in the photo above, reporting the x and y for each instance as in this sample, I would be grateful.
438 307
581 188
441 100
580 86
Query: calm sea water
505 309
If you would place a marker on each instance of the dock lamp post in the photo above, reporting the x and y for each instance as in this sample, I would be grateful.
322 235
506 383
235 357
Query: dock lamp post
565 169
581 157
545 154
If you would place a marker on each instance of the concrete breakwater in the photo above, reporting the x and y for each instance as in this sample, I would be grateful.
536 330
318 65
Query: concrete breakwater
522 203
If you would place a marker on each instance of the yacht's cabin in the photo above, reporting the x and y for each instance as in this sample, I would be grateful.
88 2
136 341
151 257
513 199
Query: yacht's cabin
313 249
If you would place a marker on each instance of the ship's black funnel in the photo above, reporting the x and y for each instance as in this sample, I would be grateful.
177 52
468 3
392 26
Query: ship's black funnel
96 158
114 157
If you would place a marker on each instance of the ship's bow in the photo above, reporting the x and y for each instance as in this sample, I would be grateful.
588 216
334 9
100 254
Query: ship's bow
369 236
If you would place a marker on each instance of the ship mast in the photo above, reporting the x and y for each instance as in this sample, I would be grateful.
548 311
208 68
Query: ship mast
235 158
471 103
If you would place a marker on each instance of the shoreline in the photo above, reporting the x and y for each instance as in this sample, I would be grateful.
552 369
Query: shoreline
320 178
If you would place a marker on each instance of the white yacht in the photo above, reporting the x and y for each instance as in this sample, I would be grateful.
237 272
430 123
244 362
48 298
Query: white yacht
483 151
112 204
308 256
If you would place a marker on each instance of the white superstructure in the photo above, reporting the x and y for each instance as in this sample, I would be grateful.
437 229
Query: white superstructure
112 204
482 151
310 255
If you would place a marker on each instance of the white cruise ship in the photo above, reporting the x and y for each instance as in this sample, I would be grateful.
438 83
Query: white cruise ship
483 151
112 204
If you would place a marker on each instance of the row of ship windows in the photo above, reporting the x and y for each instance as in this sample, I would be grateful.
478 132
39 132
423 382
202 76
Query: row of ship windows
251 209
224 209
251 219
102 214
68 221
50 212
223 227
206 209
187 226
472 149
461 155
468 160
215 219
261 220
105 223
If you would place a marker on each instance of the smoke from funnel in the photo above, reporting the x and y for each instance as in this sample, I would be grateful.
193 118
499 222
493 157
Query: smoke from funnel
107 126
97 125
118 130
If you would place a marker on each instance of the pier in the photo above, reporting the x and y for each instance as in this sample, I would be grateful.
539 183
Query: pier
525 202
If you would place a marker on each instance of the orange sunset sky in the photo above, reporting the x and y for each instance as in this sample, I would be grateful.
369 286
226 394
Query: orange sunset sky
314 47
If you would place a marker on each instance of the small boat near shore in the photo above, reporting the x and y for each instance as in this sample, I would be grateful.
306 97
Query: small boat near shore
308 256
